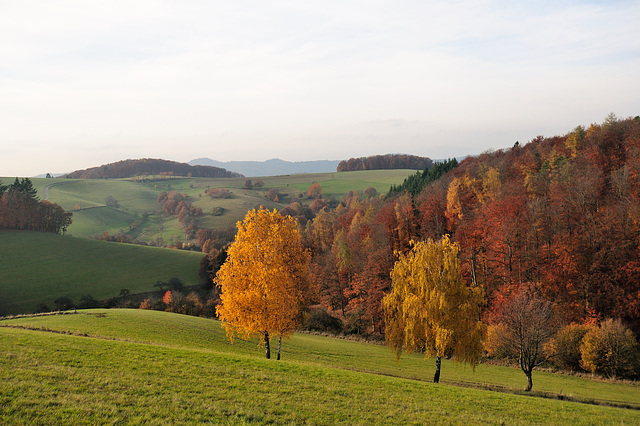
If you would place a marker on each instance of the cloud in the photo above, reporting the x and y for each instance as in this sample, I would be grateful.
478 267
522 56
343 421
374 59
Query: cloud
309 80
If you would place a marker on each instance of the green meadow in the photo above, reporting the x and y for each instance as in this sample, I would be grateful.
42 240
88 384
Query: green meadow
133 366
138 214
40 267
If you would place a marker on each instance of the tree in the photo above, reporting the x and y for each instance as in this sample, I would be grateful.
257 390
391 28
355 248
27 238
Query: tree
610 350
265 282
527 323
314 191
431 308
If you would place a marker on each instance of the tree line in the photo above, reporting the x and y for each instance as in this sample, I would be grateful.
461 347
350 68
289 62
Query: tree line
20 208
383 162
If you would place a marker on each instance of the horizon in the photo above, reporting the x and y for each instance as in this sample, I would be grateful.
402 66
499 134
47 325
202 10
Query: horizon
85 84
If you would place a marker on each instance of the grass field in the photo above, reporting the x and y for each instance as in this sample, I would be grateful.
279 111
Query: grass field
172 369
139 215
40 267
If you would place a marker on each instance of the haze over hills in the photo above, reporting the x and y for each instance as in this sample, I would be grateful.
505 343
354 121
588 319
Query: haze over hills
273 167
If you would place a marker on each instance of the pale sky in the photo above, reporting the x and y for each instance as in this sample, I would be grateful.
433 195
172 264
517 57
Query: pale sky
85 83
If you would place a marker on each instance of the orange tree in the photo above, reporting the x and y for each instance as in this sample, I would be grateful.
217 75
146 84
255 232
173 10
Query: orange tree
265 282
431 308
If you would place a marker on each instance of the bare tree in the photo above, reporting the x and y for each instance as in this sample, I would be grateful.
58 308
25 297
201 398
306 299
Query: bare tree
528 322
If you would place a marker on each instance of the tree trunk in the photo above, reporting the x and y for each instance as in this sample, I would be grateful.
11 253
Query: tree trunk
279 346
436 377
266 344
529 382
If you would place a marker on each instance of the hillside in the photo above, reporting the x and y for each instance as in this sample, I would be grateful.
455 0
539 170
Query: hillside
178 369
149 167
273 167
138 214
40 267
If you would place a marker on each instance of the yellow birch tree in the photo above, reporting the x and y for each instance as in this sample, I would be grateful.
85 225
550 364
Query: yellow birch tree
431 308
265 282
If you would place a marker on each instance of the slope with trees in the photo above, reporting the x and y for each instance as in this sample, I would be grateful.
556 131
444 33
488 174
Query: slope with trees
149 167
21 209
560 214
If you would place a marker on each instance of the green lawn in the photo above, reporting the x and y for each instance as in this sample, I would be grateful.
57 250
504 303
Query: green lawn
40 267
170 368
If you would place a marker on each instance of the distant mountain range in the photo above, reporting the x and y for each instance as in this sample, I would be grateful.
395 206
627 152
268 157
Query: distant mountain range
273 167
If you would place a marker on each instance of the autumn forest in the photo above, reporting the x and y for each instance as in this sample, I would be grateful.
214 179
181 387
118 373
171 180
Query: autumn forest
552 224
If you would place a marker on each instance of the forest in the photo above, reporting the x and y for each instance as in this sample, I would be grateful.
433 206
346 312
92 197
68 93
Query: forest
21 209
382 162
561 213
149 167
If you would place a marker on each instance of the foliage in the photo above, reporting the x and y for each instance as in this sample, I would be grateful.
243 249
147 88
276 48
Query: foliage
527 323
265 281
21 209
321 320
389 161
314 191
610 350
431 308
564 348
218 193
414 184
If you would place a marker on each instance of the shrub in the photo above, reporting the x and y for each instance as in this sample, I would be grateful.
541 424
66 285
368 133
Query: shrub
493 344
146 304
64 303
610 350
564 349
321 320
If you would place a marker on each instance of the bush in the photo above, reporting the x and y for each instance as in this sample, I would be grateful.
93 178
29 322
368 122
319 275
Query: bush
493 344
564 349
610 350
64 303
321 320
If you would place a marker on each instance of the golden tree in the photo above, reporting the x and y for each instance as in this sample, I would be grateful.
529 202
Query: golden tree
431 308
265 282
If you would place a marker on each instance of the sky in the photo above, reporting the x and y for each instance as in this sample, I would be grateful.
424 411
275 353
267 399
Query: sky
85 83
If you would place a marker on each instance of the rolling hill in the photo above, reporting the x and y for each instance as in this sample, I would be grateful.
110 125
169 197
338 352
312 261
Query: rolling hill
148 166
138 213
41 267
96 367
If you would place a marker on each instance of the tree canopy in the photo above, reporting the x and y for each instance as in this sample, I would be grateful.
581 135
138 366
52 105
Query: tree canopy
265 282
431 307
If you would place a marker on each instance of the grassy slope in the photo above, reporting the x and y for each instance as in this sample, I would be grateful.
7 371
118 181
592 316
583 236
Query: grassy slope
39 267
172 368
139 198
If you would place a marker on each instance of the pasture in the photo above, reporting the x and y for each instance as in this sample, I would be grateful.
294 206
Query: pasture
138 213
40 267
95 367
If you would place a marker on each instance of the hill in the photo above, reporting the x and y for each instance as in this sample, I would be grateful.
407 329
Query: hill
178 369
273 167
137 214
560 213
40 267
148 167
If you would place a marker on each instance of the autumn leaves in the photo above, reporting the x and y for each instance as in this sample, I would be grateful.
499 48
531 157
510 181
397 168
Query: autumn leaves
430 307
266 287
265 282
